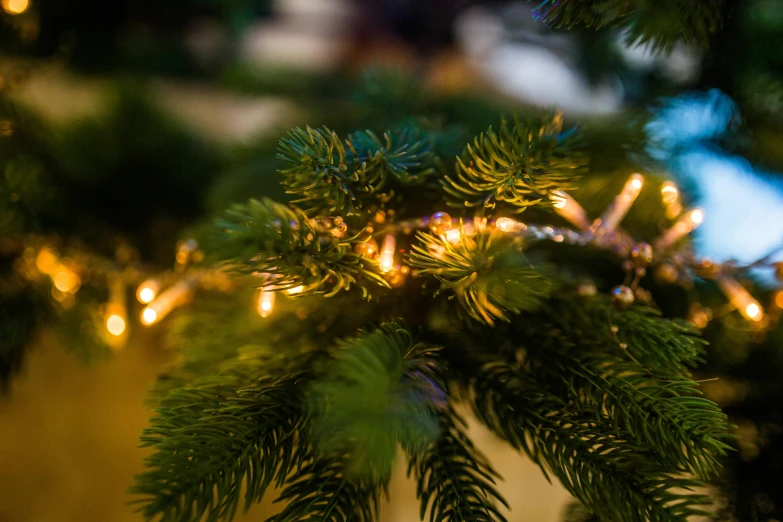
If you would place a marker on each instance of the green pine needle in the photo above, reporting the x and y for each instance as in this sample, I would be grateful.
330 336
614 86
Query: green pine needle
454 481
377 392
262 236
521 164
487 273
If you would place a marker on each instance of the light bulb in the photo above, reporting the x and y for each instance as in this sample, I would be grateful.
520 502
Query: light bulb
266 301
296 290
386 260
613 215
779 299
453 236
147 291
65 280
505 224
115 324
696 216
46 260
15 7
559 199
669 193
149 316
753 312
569 209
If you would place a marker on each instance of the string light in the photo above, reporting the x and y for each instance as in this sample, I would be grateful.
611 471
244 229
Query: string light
15 7
46 260
116 311
670 195
296 290
620 206
569 209
685 225
386 261
266 301
172 297
740 298
453 236
147 291
505 224
779 299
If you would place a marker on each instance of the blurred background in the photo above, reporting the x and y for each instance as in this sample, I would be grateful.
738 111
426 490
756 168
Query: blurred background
126 124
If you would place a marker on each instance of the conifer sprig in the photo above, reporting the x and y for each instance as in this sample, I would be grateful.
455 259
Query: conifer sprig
487 273
662 24
520 164
453 479
615 478
262 236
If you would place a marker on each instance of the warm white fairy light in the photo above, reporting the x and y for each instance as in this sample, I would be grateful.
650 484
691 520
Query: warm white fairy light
505 224
453 236
741 298
386 259
621 205
296 290
266 302
116 311
569 209
169 299
685 225
147 291
669 192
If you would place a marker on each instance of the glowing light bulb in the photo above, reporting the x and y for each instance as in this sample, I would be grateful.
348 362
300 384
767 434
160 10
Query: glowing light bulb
386 260
453 236
669 193
296 290
147 291
685 225
740 298
505 224
46 260
266 301
569 209
65 280
613 215
115 324
753 312
779 299
15 7
149 316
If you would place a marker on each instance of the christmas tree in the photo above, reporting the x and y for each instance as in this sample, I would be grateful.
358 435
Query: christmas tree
424 260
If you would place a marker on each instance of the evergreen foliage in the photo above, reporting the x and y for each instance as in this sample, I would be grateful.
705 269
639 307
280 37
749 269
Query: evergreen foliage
662 24
600 397
520 164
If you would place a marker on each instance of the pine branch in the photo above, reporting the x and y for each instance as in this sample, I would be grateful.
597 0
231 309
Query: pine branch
454 481
323 493
615 478
334 178
663 346
520 165
209 440
487 273
662 24
378 391
576 512
268 237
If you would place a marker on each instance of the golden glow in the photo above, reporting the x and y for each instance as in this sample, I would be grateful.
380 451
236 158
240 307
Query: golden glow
505 224
147 291
46 261
15 7
669 192
559 199
149 316
182 257
296 290
66 281
779 299
453 236
386 260
266 301
637 182
115 324
753 312
613 215
696 216
685 225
